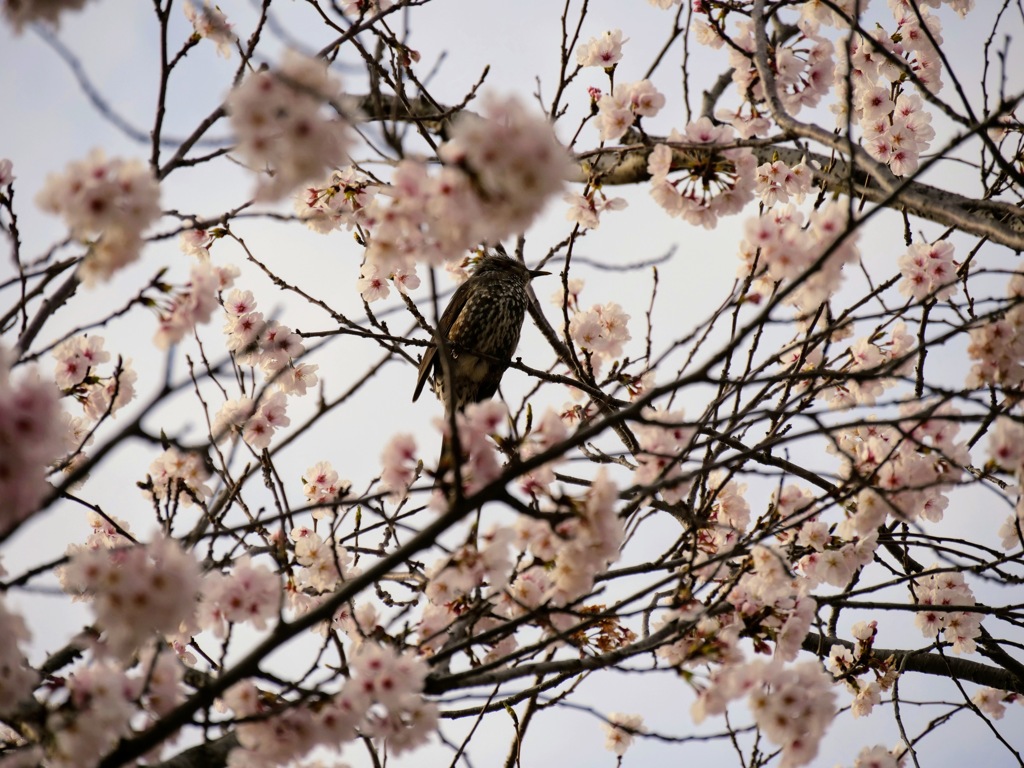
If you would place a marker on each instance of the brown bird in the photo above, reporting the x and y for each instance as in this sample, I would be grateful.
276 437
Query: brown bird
485 315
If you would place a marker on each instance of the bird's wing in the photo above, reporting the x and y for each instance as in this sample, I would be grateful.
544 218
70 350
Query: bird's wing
451 312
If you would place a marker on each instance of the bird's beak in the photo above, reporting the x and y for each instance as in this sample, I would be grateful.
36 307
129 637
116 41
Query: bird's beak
538 273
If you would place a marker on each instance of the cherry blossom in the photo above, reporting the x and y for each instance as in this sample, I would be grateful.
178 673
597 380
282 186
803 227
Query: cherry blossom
604 51
320 485
602 330
32 434
136 591
363 7
515 160
338 201
399 461
993 702
100 705
664 442
179 477
22 12
959 628
322 566
696 195
875 757
246 593
618 110
17 679
107 203
587 209
479 459
269 738
193 304
281 122
621 729
776 182
997 346
210 22
548 432
793 705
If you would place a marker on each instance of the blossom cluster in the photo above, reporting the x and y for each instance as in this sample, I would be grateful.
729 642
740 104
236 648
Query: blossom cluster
713 182
363 7
17 680
619 110
876 757
604 51
880 68
803 65
266 343
479 457
851 667
248 592
382 699
549 431
482 563
777 182
665 440
579 541
768 590
959 628
586 210
729 515
498 170
993 702
281 123
513 160
400 465
339 201
785 249
620 730
895 127
793 705
274 348
569 555
78 377
32 436
101 696
702 639
194 303
905 471
321 565
997 346
177 476
867 358
601 330
209 22
98 703
256 422
1006 447
320 485
21 12
928 270
108 203
136 591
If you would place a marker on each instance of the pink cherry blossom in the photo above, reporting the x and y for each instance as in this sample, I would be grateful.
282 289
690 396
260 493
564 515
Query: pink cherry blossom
136 591
399 461
210 22
245 593
620 731
285 119
108 203
604 51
